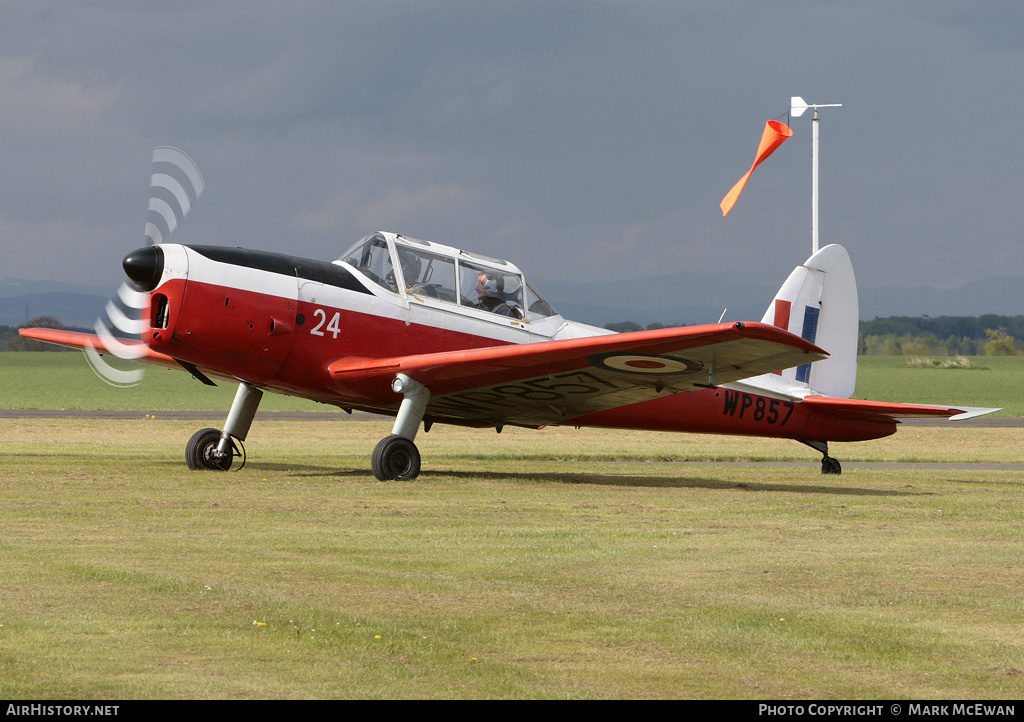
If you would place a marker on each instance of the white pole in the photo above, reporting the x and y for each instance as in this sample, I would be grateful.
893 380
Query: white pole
797 106
814 183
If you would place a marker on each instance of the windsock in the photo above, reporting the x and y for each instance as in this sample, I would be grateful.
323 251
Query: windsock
775 134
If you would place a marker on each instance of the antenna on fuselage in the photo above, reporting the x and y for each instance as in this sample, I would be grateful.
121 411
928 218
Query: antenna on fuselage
797 106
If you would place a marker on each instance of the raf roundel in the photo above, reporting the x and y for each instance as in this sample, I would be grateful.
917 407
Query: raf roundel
642 363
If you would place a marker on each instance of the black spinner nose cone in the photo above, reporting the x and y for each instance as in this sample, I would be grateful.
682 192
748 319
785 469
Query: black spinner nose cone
145 266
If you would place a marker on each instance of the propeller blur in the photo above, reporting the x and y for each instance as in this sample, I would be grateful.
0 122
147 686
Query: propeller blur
175 184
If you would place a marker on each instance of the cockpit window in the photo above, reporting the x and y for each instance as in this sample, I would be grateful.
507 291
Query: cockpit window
371 256
537 306
428 274
491 290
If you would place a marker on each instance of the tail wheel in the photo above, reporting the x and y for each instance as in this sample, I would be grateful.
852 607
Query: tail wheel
395 458
201 452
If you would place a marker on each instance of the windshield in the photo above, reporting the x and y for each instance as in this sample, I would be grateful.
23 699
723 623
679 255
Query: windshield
429 274
371 256
537 307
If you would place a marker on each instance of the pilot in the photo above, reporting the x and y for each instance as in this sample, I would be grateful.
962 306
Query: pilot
491 296
411 266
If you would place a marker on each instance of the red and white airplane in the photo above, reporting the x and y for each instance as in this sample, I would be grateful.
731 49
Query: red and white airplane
429 334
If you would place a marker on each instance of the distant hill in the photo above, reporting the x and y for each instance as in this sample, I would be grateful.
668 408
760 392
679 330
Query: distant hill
1001 295
73 309
684 297
670 299
12 287
21 301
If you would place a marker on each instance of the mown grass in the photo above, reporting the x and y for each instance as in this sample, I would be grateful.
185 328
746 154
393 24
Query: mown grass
520 565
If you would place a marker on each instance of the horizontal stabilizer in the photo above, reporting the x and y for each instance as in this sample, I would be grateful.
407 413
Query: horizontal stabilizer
969 412
863 409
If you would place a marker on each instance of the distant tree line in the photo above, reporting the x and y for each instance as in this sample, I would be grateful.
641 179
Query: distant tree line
944 326
630 326
11 341
988 335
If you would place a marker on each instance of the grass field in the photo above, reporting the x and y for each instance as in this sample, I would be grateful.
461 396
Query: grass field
564 563
992 381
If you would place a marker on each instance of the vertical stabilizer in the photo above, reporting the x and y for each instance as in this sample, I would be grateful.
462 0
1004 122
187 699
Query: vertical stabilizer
817 302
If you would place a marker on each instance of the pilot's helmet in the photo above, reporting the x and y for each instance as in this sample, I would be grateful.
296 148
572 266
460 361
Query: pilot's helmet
494 282
411 265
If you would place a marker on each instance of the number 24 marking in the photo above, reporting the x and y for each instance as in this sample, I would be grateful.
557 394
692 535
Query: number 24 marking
333 326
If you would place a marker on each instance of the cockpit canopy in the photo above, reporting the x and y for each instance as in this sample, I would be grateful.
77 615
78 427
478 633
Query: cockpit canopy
423 269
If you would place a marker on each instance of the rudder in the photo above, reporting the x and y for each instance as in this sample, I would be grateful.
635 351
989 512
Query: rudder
819 303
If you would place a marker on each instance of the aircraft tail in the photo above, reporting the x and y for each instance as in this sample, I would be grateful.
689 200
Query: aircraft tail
818 302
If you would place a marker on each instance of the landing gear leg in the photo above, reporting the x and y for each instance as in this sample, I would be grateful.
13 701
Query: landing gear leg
829 465
212 449
396 457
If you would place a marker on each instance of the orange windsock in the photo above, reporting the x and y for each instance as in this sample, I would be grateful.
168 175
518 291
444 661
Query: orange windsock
775 134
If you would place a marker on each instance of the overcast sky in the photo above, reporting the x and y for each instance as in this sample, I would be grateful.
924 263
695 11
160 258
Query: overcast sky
582 140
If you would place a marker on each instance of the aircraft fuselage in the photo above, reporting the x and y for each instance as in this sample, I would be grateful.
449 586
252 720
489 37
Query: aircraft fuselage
277 322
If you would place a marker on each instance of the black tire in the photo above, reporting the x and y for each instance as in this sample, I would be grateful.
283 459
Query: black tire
199 452
831 466
395 458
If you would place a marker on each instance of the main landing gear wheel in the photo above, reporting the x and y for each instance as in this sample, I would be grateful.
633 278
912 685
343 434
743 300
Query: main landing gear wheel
830 465
395 458
201 452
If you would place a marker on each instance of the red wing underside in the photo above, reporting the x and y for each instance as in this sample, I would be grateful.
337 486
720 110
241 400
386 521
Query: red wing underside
551 382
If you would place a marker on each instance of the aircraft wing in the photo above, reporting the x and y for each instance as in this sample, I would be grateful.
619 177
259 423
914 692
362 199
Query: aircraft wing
862 409
74 339
134 350
548 382
540 383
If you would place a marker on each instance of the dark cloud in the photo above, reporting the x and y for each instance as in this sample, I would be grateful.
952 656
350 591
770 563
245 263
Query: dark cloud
594 137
